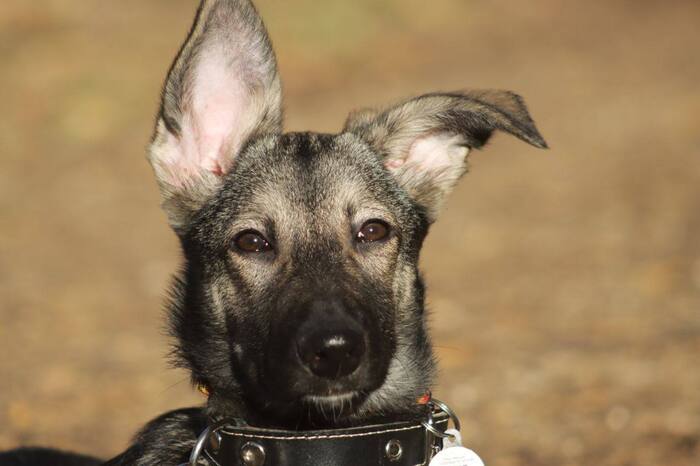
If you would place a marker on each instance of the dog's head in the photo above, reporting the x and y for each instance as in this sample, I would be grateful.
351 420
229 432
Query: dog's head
300 301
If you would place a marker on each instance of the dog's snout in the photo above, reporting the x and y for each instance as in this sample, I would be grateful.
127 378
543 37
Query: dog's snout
332 354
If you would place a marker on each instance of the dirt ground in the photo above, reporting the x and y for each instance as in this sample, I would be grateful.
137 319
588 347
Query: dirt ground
564 285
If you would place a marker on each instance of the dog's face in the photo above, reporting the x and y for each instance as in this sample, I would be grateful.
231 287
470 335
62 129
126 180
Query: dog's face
300 302
306 261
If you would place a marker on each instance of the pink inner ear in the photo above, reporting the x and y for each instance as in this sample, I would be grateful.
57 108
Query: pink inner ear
219 101
214 122
433 153
438 152
395 163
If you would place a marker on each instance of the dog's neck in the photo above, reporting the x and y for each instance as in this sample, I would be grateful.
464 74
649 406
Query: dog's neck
235 407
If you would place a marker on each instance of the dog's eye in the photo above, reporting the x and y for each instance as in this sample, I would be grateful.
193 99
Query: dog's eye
372 230
251 241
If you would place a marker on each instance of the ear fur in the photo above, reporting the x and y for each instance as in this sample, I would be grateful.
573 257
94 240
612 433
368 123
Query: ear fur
222 90
425 141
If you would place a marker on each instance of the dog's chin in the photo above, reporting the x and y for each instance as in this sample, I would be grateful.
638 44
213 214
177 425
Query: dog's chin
332 410
326 410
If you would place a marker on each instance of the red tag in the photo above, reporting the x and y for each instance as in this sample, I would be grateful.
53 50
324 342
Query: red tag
425 398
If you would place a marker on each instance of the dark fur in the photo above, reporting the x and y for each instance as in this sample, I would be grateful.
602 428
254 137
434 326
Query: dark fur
237 317
39 456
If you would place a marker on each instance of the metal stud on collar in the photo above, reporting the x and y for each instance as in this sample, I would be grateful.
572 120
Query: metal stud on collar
393 450
253 454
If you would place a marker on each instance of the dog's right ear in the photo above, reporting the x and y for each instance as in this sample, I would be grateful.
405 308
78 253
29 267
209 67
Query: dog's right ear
222 90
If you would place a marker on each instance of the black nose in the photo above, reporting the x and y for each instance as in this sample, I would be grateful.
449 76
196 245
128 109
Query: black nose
332 354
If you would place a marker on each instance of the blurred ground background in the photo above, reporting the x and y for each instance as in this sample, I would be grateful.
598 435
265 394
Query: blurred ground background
564 285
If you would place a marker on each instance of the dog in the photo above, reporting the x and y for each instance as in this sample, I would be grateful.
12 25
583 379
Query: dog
299 304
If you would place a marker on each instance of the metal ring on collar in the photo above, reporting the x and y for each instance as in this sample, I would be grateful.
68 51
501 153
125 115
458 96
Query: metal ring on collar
438 433
442 406
446 409
205 436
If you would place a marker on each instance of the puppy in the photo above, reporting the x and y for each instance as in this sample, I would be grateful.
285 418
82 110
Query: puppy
299 304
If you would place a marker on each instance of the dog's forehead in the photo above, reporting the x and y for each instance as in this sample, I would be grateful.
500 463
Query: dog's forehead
298 186
314 173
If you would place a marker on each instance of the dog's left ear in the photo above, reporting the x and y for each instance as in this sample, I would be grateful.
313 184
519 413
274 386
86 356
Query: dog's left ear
425 141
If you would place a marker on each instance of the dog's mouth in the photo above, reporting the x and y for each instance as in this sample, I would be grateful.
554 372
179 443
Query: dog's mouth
333 407
332 399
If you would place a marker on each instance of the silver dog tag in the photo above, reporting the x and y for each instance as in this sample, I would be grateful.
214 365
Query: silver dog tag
454 454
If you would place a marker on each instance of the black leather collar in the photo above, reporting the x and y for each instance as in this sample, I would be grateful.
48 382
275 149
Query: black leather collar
391 444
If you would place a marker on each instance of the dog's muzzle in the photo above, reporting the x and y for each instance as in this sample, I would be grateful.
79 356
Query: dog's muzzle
232 443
